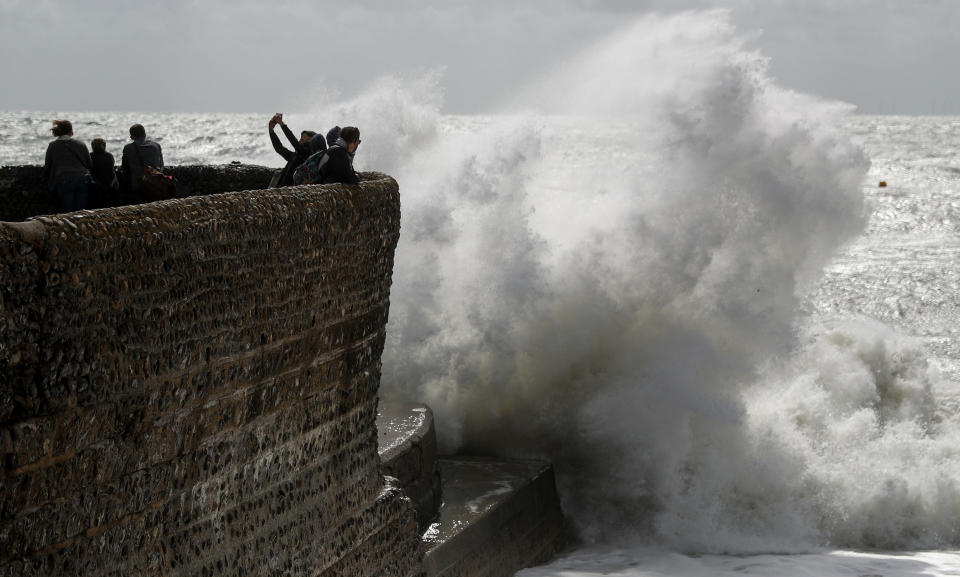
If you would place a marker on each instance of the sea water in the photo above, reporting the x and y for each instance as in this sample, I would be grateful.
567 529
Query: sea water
676 280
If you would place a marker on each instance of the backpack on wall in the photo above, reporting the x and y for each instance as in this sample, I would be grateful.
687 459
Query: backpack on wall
311 171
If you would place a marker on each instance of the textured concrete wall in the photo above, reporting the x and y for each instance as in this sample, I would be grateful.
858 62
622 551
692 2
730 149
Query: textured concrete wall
189 388
23 192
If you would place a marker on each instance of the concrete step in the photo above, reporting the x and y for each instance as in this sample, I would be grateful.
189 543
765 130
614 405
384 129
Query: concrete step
497 517
408 451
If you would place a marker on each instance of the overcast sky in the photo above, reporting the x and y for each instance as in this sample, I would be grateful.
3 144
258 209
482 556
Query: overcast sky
884 56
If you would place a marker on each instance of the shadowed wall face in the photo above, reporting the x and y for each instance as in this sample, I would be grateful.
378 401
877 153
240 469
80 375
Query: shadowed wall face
190 388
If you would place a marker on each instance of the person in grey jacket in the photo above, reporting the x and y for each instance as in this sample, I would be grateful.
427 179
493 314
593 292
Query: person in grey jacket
67 168
139 151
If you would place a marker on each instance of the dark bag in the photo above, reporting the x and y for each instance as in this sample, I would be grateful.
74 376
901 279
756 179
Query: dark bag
312 169
275 179
154 184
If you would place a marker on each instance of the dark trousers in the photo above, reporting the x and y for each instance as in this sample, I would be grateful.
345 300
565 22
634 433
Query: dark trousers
72 191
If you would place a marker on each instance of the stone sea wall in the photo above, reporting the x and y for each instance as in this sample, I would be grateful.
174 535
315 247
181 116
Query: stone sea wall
189 388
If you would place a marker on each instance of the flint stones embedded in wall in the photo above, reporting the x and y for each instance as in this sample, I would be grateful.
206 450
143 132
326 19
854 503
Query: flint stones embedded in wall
190 388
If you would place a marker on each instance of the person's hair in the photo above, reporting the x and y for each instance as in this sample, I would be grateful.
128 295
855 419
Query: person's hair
309 133
350 134
98 144
137 131
61 128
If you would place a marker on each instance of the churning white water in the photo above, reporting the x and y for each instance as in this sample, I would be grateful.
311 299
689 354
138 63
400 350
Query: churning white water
678 282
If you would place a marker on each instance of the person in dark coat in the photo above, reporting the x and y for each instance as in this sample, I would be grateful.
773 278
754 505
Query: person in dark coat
104 175
67 168
338 164
302 148
140 151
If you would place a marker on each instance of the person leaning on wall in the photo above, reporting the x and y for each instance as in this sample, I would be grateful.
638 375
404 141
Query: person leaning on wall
339 163
66 167
135 154
105 184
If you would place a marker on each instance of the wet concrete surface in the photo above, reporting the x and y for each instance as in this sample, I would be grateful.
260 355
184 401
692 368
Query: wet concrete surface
498 516
407 445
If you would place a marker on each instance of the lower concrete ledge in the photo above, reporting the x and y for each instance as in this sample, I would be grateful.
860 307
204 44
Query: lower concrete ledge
407 444
497 517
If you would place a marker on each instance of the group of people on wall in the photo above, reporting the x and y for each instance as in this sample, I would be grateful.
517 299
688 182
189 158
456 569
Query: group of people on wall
315 158
80 179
